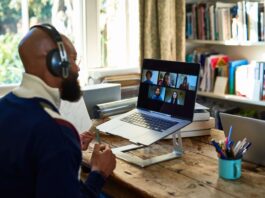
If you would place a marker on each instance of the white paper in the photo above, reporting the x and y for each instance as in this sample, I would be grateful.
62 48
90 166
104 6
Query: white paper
77 114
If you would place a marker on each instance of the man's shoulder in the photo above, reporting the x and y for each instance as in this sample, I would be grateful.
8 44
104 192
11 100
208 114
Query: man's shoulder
36 116
21 106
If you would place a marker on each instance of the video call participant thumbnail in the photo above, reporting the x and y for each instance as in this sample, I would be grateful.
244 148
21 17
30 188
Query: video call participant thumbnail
156 93
174 96
186 82
150 77
167 79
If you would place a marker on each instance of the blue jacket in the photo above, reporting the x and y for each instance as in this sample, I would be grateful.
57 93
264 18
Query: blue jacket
40 155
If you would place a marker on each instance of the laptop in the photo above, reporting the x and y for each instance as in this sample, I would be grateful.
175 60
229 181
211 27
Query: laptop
165 103
252 129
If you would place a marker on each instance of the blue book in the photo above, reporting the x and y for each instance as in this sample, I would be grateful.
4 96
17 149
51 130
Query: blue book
232 70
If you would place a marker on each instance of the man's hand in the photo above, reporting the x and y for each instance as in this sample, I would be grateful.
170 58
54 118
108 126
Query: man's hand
103 160
86 138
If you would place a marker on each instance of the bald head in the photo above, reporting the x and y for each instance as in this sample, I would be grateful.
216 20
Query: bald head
33 50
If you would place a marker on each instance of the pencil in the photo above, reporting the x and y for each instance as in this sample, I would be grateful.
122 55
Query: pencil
97 136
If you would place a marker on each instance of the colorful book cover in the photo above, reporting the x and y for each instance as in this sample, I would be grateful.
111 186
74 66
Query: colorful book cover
232 68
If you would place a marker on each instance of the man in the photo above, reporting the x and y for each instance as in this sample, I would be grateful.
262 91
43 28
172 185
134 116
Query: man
157 95
148 76
39 150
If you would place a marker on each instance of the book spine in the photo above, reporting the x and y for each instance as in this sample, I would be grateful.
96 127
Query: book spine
194 21
212 21
240 21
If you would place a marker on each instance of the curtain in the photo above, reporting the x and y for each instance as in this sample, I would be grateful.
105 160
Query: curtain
162 29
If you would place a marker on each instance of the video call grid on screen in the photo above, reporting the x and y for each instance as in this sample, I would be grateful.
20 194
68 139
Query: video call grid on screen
168 91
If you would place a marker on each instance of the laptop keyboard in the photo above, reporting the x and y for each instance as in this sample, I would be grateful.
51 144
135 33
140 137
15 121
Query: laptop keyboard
148 122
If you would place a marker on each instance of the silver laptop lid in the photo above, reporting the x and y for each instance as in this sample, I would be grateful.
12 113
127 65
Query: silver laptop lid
169 87
252 129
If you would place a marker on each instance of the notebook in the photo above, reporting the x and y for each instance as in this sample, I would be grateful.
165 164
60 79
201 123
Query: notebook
252 129
165 103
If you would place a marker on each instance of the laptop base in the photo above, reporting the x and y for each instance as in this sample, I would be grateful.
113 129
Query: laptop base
177 152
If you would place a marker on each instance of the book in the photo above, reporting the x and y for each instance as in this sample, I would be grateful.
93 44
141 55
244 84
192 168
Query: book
194 21
261 21
124 79
200 125
215 65
197 128
201 21
252 16
232 68
201 114
212 22
189 19
262 80
240 21
223 19
248 81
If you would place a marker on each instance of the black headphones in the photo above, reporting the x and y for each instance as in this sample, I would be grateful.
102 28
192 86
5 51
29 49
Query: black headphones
57 59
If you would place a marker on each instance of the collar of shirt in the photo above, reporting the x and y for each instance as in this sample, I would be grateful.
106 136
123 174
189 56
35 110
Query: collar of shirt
32 87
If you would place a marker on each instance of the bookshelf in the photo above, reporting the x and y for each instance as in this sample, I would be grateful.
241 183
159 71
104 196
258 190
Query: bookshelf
232 98
234 46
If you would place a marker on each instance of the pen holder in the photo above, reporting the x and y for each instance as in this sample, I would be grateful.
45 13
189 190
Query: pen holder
229 169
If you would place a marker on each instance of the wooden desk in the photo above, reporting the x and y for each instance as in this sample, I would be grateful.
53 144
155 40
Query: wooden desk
193 175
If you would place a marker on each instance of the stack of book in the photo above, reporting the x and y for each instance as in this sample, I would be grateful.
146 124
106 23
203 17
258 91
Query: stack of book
201 125
129 83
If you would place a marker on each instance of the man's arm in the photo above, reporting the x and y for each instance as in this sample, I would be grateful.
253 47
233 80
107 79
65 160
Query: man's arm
58 159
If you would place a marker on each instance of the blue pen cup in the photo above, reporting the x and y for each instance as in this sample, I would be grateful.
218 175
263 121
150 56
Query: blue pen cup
230 169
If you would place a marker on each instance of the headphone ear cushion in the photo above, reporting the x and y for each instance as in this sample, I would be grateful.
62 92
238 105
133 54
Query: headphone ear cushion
54 62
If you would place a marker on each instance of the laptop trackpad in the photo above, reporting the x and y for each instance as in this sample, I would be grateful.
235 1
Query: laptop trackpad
127 131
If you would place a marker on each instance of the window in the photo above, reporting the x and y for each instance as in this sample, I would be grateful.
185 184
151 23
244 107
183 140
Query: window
104 32
119 33
10 22
16 16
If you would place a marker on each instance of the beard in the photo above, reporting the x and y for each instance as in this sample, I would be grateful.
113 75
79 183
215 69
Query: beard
71 90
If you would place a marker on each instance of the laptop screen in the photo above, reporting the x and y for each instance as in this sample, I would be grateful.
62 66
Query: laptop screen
169 87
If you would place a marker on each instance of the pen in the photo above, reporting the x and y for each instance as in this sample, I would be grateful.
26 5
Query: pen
229 135
243 150
97 136
230 144
241 153
249 144
218 149
244 141
237 146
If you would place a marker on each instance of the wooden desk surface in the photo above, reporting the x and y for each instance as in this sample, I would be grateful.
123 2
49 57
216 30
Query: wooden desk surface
193 175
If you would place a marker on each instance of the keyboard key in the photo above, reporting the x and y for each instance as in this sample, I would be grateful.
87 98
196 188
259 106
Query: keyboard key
148 122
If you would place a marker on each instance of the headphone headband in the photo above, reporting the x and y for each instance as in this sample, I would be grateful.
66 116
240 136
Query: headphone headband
63 64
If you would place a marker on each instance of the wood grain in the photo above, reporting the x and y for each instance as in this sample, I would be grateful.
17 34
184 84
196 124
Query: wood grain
195 174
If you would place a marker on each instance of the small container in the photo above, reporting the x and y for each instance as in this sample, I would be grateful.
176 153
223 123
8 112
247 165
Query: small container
230 169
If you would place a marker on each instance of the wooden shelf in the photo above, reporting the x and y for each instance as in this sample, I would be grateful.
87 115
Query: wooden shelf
228 43
232 98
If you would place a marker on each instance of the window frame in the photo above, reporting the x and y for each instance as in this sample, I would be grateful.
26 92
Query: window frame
92 51
87 40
